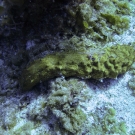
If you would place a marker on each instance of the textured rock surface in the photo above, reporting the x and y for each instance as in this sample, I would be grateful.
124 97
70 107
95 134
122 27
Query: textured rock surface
108 62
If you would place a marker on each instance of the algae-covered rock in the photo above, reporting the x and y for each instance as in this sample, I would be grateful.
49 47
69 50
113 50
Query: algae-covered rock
102 18
72 122
107 124
108 62
84 13
65 93
117 21
68 17
63 102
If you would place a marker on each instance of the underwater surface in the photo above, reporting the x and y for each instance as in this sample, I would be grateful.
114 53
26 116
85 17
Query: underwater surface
67 67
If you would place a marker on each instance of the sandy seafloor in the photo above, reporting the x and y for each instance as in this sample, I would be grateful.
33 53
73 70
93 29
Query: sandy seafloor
114 92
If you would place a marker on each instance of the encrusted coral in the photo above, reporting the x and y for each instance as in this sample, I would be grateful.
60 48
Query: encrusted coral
107 62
